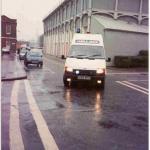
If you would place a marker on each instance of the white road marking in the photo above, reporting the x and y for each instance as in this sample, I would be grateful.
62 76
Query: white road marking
16 142
127 73
138 80
132 87
140 87
46 137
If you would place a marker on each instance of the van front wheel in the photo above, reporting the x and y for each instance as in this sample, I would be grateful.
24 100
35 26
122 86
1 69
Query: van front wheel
66 83
102 85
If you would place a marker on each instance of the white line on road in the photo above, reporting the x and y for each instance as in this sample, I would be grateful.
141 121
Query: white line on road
16 142
46 137
138 80
140 87
132 87
127 73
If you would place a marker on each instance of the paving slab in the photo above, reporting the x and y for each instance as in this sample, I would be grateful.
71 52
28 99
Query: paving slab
11 68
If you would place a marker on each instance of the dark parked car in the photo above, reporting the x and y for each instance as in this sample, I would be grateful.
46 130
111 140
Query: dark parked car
34 57
22 53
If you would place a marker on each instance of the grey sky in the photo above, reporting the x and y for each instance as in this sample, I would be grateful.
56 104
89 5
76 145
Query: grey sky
29 15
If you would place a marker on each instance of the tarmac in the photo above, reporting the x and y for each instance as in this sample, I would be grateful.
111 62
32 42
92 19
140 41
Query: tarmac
11 68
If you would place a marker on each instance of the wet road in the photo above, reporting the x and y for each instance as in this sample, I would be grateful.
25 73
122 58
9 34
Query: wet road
46 115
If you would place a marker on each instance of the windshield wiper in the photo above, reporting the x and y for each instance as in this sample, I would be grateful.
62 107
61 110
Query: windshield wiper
94 55
77 56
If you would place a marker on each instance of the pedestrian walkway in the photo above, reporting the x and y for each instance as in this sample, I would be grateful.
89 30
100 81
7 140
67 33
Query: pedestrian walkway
11 68
54 58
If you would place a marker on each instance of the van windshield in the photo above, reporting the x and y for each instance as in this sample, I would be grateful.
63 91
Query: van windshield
86 51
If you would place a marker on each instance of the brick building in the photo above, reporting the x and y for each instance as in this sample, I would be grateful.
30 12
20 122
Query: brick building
8 33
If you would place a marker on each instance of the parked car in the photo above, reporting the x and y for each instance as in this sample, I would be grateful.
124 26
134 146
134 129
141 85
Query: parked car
33 57
5 50
22 53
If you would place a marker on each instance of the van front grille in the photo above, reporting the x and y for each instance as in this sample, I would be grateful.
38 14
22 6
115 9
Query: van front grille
85 72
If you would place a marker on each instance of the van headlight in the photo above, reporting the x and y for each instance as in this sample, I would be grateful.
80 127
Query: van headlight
68 69
100 71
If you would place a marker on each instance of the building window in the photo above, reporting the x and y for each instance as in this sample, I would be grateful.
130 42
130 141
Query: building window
8 29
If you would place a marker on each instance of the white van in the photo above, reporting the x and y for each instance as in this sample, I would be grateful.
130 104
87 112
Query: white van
86 60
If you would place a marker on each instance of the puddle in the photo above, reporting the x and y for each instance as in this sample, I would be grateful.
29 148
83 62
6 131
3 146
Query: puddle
140 126
54 92
144 74
141 118
142 122
59 105
108 124
60 86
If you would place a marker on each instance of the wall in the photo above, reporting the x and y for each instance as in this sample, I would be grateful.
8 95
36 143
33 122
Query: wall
124 43
123 5
129 5
103 4
96 27
145 6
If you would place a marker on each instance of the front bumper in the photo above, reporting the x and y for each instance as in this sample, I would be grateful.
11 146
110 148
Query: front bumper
91 78
34 62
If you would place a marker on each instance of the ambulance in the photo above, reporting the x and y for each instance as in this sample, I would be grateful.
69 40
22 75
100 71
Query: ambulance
86 60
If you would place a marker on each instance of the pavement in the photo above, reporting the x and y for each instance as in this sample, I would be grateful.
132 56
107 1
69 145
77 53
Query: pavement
11 68
55 58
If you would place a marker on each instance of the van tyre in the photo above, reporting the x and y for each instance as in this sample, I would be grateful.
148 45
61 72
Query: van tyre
41 65
103 84
26 64
66 83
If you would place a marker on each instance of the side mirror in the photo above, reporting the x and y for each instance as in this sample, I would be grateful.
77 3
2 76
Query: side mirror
63 57
108 59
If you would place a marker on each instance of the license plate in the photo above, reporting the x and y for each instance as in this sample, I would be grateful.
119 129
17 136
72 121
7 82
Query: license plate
84 78
35 61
